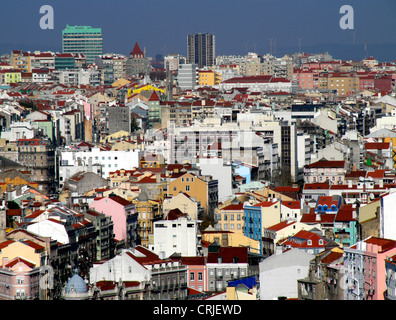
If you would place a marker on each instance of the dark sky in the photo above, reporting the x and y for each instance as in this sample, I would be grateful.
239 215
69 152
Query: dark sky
239 25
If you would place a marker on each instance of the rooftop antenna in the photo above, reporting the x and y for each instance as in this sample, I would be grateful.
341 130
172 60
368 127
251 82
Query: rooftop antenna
354 37
299 44
365 49
271 42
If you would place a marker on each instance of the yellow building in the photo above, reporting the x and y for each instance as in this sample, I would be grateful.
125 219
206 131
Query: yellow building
208 78
28 250
203 189
343 83
10 76
152 161
148 212
230 239
230 218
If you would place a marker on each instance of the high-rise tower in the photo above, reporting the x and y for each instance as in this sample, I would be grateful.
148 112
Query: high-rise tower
201 49
83 39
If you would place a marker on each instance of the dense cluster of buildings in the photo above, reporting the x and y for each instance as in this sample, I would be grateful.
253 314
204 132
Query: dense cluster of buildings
195 177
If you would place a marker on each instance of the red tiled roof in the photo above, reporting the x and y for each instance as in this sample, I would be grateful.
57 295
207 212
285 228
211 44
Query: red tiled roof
376 145
323 218
331 257
345 213
281 225
316 186
193 261
16 260
265 204
120 200
136 50
6 243
147 258
327 200
292 204
327 164
227 254
154 96
233 207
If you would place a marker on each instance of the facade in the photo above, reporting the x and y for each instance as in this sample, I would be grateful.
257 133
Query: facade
196 272
19 279
83 39
187 76
201 49
188 205
279 274
38 155
230 218
323 170
225 264
104 227
181 236
109 160
137 62
148 213
159 279
203 189
259 216
364 268
124 217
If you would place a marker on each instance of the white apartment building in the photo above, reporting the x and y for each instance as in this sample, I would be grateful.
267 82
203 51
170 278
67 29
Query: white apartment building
182 236
187 76
109 160
244 140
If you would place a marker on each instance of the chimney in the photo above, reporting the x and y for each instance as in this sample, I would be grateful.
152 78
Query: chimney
4 261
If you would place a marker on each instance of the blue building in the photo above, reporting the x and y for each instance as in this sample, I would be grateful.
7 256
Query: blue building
345 226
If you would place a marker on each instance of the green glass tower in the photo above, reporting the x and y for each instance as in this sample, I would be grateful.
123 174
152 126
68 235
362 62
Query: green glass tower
83 39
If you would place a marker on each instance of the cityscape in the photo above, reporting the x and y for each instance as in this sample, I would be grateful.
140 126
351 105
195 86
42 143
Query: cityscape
195 174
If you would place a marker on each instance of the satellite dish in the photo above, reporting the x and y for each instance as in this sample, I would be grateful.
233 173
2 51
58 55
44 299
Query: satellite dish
370 178
361 178
371 196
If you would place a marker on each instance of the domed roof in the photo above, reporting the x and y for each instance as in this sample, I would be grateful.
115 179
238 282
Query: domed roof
143 196
76 284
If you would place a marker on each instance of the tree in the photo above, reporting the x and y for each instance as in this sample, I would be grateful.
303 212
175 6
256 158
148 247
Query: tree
134 124
12 205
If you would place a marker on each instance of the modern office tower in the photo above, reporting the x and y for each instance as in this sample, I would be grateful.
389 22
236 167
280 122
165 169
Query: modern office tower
83 39
201 49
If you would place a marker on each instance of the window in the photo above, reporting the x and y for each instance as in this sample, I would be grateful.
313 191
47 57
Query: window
192 276
200 276
187 188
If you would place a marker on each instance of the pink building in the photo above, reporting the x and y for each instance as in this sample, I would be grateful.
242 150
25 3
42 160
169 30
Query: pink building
19 279
196 272
123 214
364 265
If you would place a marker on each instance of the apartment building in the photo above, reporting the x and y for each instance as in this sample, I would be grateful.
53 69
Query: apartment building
203 188
38 156
364 268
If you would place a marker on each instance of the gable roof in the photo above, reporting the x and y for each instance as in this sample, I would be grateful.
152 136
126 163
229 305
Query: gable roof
327 164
